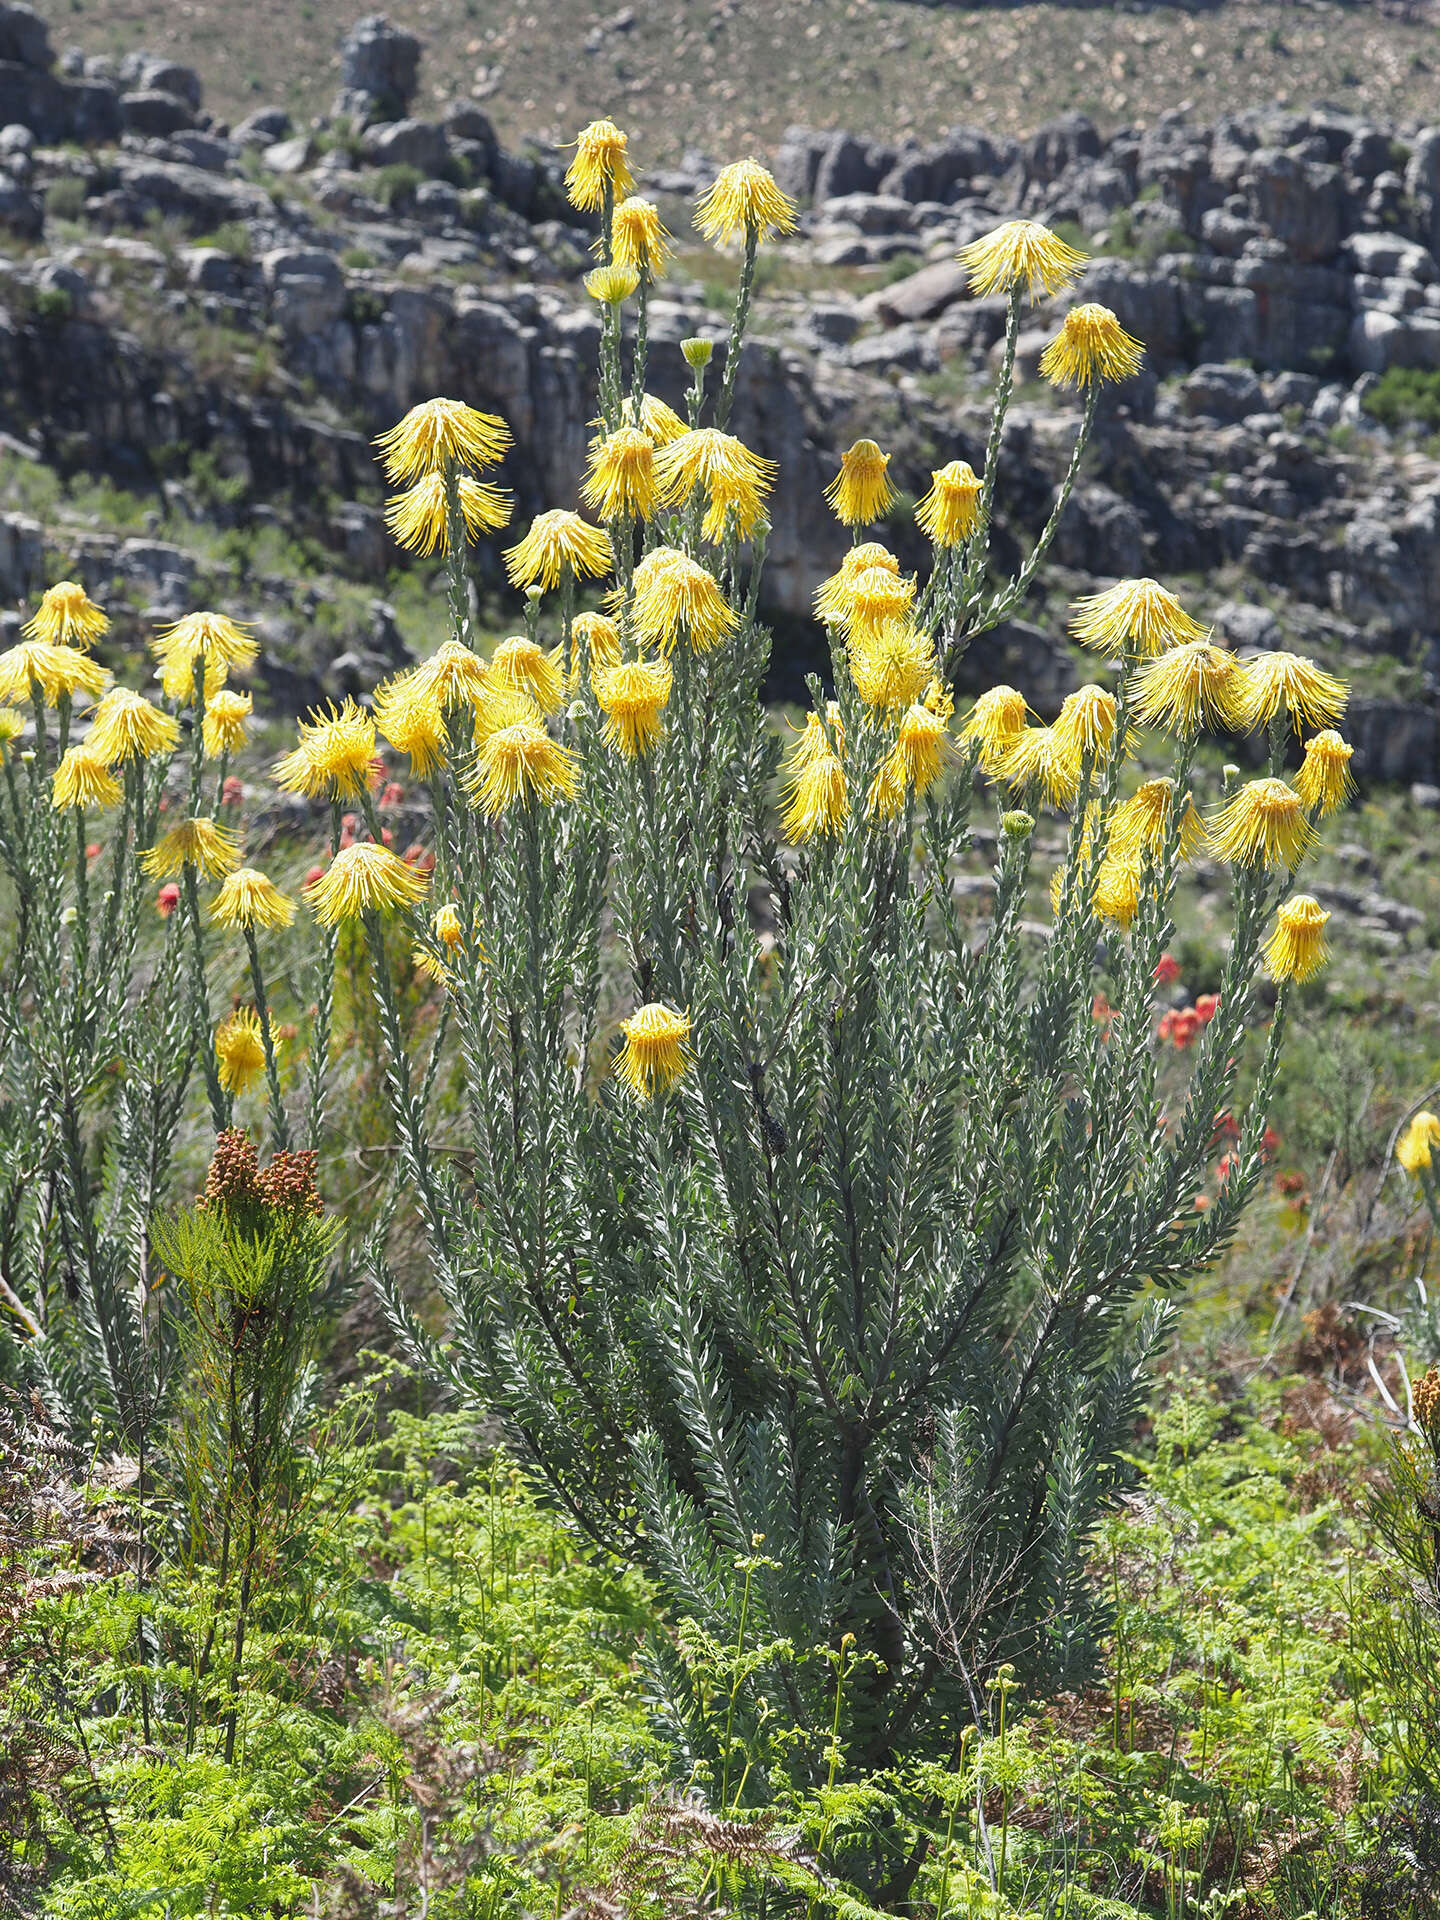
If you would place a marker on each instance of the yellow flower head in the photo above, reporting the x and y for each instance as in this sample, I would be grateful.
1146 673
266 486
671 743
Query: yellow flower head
655 1053
1296 949
814 740
619 478
612 285
12 725
599 163
408 714
639 238
365 878
447 928
1087 721
939 699
223 729
334 756
861 491
734 479
82 779
876 598
215 638
419 518
833 595
453 676
240 1050
1189 687
441 433
127 727
524 667
1117 889
1020 254
597 634
743 199
66 617
1324 781
886 796
500 707
923 745
211 849
1141 824
814 787
632 697
950 511
1138 615
1264 823
995 723
1091 347
557 540
1311 697
59 672
891 665
521 763
653 417
674 593
1043 757
248 899
1416 1145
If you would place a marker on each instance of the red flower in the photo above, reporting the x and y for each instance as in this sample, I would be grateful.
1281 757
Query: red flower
1101 1010
419 857
1226 1128
1290 1183
1184 1028
393 795
1166 1026
92 848
1167 970
1207 1005
232 793
1202 1203
1269 1144
317 872
167 899
387 836
1222 1170
349 828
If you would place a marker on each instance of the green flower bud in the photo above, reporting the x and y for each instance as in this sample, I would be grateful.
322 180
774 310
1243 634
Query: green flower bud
1017 825
697 352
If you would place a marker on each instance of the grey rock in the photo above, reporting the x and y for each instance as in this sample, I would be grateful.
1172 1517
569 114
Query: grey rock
1101 532
359 533
1387 256
846 166
408 143
1293 390
437 200
152 112
969 327
203 200
149 563
290 156
263 127
379 67
21 213
1379 340
22 556
1422 794
1222 392
16 139
307 289
920 296
1299 201
797 161
1247 626
901 350
211 269
829 322
1059 144
1227 232
869 212
24 38
153 73
1146 302
196 149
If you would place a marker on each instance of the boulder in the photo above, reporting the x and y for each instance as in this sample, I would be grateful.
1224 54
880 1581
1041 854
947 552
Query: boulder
1389 257
306 287
408 143
202 200
1299 201
797 161
1379 340
56 110
154 74
379 70
294 155
1145 301
263 127
152 112
1222 393
919 297
1059 144
22 556
24 38
21 213
846 166
197 149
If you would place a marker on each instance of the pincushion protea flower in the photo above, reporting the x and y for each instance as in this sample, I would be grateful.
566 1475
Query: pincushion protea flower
127 727
247 898
1323 781
525 667
67 616
834 597
224 728
1043 758
599 164
675 594
518 764
950 511
638 237
719 464
419 518
994 724
203 844
334 757
1138 615
1140 824
923 746
240 1050
1296 949
892 665
598 635
655 1054
612 285
1191 686
1020 254
1086 721
743 200
632 697
620 478
442 433
1287 682
861 491
814 787
1265 824
83 779
59 672
557 541
363 879
1090 347
1417 1144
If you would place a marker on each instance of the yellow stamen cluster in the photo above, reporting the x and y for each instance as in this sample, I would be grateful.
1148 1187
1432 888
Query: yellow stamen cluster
1141 824
1264 823
1296 949
240 1050
1086 722
652 416
639 238
1192 686
950 511
599 165
834 596
1323 781
743 200
334 757
1280 681
675 595
127 727
876 598
861 491
82 779
612 285
66 617
214 640
598 635
363 879
558 541
632 697
734 480
995 723
517 764
211 849
1416 1146
524 667
248 899
620 479
1137 616
813 785
891 665
1091 347
419 518
655 1051
59 672
224 728
440 434
1020 254
1043 758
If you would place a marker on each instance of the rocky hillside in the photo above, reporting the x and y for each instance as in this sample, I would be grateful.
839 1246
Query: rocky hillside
203 324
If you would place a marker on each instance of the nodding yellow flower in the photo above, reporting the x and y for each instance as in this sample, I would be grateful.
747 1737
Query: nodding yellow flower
814 788
211 849
334 756
861 491
525 667
366 878
219 640
1141 824
223 729
1417 1143
82 779
127 727
1090 347
833 595
519 764
409 715
453 676
12 725
419 518
923 746
59 672
1020 254
500 707
1296 949
813 741
1042 757
599 163
892 665
1117 889
1310 696
939 699
446 925
177 678
1087 721
66 617
950 511
240 1050
248 899
995 723
1190 686
619 478
673 594
743 199
632 697
639 238
612 285
652 416
558 540
1265 824
597 634
876 598
441 433
1138 615
1324 781
734 479
655 1053
886 796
